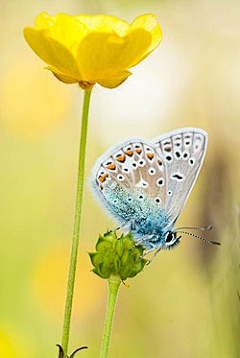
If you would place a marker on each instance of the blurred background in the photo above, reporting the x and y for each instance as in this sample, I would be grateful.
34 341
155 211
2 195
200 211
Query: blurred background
186 303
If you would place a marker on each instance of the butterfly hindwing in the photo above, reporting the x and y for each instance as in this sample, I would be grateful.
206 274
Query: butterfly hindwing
183 152
131 179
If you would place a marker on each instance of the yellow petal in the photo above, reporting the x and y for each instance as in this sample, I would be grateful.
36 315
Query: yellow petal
64 28
101 55
150 23
60 76
104 23
42 21
52 52
115 81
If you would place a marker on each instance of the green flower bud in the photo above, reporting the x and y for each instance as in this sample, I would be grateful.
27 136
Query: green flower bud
117 256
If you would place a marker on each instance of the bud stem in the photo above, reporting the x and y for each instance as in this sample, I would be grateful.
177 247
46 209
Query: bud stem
114 282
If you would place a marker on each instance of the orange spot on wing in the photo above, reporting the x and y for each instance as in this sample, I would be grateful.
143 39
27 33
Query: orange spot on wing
121 158
103 178
129 152
139 151
150 155
168 149
159 162
111 166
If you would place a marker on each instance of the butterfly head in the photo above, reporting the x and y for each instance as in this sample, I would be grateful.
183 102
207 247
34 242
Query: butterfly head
152 237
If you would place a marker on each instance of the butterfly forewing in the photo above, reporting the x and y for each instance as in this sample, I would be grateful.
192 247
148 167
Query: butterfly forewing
131 179
183 152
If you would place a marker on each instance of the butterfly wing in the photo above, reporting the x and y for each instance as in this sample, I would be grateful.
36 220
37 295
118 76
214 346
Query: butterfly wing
183 152
130 179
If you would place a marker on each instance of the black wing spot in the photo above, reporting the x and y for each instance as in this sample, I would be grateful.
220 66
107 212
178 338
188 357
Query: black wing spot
177 176
120 177
160 182
191 161
152 171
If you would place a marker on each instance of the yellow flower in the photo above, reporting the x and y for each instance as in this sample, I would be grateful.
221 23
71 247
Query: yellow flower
88 49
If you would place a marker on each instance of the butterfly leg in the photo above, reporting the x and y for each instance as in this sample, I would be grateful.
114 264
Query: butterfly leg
130 225
149 250
110 231
141 241
155 254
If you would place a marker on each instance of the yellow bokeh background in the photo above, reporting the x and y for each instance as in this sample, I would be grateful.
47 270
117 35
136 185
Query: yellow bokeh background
185 304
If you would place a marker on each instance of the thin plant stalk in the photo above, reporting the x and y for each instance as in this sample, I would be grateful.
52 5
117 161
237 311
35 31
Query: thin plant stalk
113 287
77 222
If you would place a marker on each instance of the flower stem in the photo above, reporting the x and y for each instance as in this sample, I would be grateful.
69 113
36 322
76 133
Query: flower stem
77 222
113 286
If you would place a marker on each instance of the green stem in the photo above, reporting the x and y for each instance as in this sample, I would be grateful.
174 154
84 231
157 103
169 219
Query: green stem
77 222
113 285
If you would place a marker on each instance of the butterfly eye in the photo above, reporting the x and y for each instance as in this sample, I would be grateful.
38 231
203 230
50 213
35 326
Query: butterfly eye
170 237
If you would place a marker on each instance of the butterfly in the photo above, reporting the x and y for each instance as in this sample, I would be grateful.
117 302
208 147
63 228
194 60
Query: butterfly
145 184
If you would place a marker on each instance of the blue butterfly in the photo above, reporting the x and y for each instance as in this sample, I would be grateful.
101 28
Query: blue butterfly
145 183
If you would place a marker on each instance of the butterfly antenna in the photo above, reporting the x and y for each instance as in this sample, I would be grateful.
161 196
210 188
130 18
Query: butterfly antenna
203 228
201 238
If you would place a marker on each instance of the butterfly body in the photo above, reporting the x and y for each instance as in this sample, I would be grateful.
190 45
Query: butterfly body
145 184
149 231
